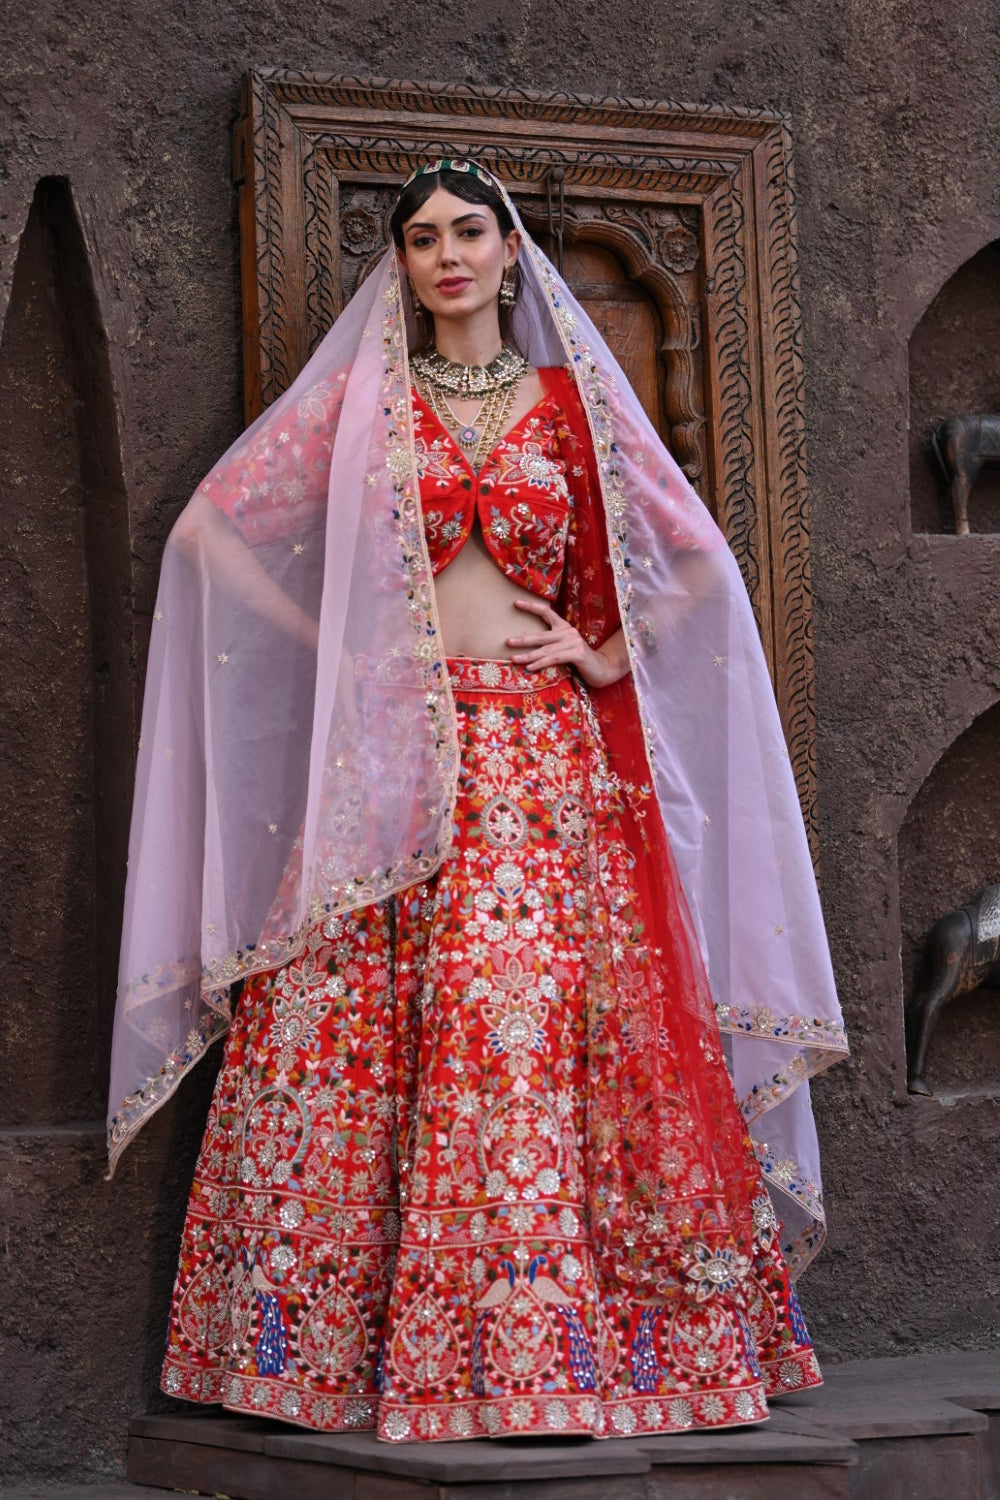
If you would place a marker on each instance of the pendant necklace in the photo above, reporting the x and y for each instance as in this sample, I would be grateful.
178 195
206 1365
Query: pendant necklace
478 438
495 384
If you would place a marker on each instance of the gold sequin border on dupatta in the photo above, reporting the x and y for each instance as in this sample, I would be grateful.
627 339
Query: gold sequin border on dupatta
428 647
400 476
825 1039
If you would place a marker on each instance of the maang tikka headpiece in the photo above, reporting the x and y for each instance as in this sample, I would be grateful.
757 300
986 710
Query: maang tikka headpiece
453 164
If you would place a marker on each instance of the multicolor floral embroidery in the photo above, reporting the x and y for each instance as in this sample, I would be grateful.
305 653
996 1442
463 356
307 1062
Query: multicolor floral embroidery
270 495
521 495
391 1223
762 1022
785 1175
136 1108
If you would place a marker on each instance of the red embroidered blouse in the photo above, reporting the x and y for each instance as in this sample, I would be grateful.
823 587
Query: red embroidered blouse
523 494
536 496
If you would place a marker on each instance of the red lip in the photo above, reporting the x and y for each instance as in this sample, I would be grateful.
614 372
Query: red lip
454 284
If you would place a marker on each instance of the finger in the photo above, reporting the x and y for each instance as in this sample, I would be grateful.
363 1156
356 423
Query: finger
558 650
551 657
538 607
529 642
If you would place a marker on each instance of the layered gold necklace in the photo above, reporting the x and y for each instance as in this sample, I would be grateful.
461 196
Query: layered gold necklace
494 385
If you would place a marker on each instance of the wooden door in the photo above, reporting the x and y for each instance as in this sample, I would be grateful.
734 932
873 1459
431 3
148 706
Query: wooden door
677 227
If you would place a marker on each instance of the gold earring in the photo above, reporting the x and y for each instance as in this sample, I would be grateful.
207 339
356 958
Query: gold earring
508 291
418 306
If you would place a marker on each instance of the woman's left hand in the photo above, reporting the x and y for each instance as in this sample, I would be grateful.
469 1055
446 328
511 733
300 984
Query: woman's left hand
562 643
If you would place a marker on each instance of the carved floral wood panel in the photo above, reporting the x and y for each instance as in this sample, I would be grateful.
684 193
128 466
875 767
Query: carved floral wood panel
679 237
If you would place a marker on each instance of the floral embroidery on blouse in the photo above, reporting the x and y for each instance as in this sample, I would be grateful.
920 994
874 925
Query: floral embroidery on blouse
278 481
521 496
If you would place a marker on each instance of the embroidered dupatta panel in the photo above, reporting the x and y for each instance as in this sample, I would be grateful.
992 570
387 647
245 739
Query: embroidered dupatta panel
269 761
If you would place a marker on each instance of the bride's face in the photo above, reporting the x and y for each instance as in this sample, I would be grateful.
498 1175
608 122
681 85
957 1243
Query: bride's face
455 255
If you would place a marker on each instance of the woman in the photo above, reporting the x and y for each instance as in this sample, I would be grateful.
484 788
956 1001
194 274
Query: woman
442 648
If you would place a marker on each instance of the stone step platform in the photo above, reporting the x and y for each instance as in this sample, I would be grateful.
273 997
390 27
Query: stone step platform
922 1428
95 1491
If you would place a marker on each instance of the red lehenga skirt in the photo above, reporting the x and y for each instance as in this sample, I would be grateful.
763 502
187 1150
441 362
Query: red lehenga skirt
389 1226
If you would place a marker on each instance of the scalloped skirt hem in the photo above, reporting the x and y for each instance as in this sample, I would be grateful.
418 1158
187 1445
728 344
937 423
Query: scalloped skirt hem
565 1415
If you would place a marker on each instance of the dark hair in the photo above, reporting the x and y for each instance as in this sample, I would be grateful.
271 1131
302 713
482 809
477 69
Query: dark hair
471 189
464 185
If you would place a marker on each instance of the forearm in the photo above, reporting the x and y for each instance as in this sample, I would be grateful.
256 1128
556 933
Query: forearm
615 663
209 540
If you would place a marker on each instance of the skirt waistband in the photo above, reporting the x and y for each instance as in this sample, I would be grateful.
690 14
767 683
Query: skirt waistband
465 672
502 676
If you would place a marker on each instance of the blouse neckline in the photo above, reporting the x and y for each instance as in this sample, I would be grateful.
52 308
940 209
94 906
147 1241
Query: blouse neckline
532 411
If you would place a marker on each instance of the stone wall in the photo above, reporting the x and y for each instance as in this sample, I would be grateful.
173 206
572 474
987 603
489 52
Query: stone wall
121 382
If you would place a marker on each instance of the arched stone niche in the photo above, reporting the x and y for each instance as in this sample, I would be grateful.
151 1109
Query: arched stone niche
66 709
954 367
949 847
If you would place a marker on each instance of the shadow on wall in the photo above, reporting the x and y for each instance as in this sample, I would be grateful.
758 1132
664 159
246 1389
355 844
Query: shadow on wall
66 689
948 850
955 368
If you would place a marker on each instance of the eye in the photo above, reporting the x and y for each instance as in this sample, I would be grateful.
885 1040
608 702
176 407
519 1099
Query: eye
421 241
472 232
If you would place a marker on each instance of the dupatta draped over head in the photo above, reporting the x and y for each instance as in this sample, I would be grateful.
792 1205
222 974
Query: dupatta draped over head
299 752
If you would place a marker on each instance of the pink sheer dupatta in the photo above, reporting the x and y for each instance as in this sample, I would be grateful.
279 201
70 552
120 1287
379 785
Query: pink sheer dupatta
298 750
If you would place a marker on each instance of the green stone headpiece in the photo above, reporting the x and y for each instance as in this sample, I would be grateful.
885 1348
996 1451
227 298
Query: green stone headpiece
452 164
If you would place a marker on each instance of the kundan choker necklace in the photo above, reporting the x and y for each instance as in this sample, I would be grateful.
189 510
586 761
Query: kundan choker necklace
494 386
469 382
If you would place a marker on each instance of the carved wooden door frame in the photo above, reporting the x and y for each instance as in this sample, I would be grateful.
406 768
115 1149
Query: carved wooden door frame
302 139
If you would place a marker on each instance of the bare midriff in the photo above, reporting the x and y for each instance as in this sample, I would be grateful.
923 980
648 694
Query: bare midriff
475 598
475 603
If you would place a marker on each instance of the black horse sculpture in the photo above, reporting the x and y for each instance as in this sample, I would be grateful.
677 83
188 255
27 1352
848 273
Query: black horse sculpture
963 446
961 954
